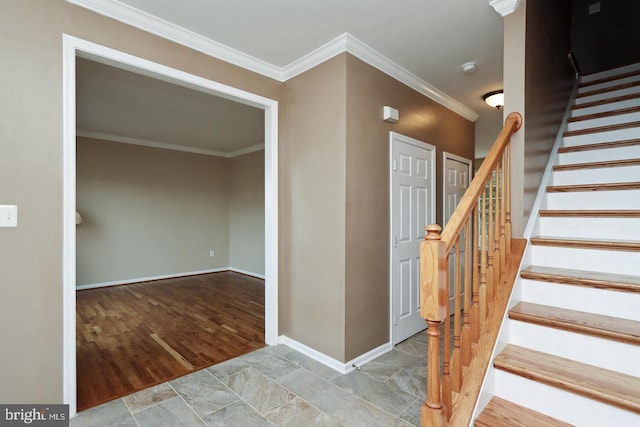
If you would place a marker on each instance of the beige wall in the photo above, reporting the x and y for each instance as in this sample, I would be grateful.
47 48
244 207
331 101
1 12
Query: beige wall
313 208
538 81
488 126
150 212
31 168
336 180
367 203
549 80
246 215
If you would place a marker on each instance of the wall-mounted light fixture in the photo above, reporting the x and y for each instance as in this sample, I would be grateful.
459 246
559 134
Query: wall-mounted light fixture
494 99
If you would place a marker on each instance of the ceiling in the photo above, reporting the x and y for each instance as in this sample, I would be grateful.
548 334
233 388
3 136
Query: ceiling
429 39
123 106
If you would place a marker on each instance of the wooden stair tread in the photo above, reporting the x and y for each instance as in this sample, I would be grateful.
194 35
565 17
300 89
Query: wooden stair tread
610 186
594 165
502 413
621 213
609 79
607 327
599 146
608 89
604 114
598 129
606 101
595 279
604 385
583 243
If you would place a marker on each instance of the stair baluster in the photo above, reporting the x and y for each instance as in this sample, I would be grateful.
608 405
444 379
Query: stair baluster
485 205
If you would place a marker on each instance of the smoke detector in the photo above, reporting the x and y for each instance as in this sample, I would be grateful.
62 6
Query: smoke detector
469 67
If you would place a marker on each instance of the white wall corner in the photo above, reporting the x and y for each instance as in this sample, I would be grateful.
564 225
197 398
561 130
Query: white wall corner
504 7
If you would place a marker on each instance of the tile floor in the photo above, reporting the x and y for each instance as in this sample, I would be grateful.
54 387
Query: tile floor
277 386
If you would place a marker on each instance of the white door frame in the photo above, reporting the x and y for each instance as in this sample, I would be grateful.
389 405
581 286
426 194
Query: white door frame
449 156
73 47
431 213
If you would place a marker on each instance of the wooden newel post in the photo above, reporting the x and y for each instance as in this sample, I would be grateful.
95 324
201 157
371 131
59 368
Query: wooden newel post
434 296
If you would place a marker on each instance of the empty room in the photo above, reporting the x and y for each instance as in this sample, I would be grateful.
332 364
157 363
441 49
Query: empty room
170 240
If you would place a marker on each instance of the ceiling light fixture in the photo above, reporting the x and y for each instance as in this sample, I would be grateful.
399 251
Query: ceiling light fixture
494 99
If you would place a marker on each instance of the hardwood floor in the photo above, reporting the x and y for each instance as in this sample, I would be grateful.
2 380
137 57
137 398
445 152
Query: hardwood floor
135 336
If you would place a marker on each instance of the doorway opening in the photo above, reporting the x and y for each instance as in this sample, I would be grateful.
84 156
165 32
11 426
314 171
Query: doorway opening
73 48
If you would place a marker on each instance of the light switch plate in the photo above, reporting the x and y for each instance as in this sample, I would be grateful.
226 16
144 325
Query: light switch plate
8 216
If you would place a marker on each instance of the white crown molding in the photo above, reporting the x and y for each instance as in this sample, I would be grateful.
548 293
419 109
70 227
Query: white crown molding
343 43
365 53
504 7
246 150
167 146
348 43
152 24
316 57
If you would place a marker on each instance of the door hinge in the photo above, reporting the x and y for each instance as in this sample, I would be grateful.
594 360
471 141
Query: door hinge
395 242
395 320
395 165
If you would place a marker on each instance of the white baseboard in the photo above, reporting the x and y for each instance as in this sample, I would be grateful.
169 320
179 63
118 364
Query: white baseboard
148 279
369 356
247 273
343 368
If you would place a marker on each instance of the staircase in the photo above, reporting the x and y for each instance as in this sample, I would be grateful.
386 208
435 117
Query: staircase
569 351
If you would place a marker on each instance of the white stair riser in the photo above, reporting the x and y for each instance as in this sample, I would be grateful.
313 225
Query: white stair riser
610 83
582 298
606 95
597 175
577 140
608 354
610 73
620 199
606 136
594 228
604 121
605 154
621 262
571 408
606 107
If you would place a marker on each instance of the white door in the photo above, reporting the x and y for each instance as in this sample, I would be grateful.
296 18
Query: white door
412 209
457 172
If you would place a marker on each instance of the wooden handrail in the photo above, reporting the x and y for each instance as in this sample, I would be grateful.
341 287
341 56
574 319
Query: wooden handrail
483 216
512 124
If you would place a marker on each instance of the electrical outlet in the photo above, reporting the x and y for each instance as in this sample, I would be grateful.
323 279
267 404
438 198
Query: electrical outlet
8 216
211 253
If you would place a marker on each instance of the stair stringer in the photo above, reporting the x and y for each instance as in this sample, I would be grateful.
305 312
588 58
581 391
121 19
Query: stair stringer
487 391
